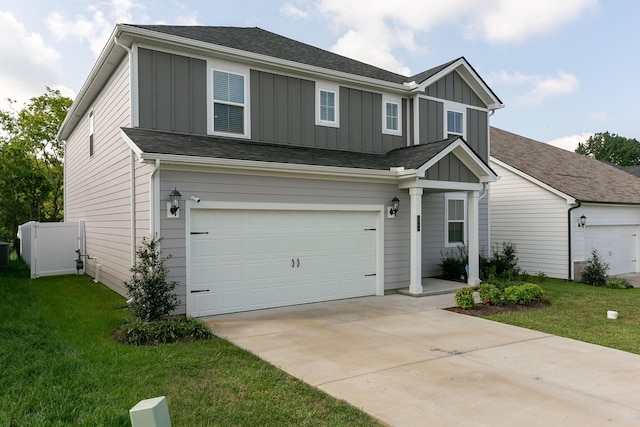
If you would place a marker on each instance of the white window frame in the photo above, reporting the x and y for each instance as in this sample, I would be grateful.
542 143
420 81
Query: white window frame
456 108
395 100
227 67
92 138
455 196
332 88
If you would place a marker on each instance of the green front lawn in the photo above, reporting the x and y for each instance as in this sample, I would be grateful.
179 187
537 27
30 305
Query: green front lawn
59 367
579 311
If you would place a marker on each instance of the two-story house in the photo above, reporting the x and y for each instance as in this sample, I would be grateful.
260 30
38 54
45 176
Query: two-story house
302 175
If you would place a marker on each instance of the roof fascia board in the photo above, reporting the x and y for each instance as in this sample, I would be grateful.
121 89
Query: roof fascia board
271 62
441 185
134 147
470 77
466 156
570 200
257 167
95 81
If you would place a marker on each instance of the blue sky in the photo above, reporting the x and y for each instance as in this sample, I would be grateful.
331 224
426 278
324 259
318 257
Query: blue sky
565 69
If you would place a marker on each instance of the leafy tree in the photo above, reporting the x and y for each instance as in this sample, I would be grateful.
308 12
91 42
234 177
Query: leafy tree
612 148
151 294
31 161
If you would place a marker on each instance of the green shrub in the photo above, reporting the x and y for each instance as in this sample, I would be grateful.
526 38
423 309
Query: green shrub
524 294
541 277
151 294
157 332
502 264
501 284
452 264
618 283
464 298
595 273
524 277
490 294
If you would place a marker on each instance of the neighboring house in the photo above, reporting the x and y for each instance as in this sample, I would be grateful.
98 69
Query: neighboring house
541 196
287 158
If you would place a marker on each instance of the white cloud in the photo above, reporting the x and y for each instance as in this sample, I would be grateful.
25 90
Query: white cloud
508 21
570 143
27 61
376 32
94 28
539 88
600 116
294 12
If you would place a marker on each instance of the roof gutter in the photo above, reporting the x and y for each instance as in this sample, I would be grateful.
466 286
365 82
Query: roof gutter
569 224
273 168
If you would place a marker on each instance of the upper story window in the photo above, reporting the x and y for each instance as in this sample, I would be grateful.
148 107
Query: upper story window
91 131
327 104
455 219
228 102
455 123
391 115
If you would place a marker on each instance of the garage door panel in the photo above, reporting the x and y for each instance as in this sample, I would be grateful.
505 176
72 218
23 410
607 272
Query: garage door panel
616 245
258 259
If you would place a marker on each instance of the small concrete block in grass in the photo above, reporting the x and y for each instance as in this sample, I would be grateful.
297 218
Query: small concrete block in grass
152 412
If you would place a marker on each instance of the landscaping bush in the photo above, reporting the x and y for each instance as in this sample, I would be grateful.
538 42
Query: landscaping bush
524 294
160 332
464 298
595 272
490 294
618 283
452 264
541 277
151 294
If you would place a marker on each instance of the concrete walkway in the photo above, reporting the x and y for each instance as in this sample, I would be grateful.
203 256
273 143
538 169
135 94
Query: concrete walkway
408 363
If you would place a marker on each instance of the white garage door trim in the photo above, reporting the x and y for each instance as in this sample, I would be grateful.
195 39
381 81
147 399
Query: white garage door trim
378 210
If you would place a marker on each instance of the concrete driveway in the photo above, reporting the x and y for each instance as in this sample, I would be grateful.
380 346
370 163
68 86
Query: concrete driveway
409 363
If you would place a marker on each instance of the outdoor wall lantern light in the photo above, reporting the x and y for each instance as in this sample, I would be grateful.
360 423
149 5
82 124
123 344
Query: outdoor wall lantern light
582 221
393 209
174 199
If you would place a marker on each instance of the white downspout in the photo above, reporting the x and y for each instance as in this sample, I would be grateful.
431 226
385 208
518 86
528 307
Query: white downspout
154 200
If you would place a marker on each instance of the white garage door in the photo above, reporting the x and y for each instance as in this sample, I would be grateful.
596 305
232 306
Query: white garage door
616 244
251 259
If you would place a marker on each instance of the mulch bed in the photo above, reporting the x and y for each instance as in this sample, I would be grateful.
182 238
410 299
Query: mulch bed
487 310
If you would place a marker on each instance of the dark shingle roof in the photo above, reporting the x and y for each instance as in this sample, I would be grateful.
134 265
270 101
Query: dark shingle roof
578 176
177 144
257 40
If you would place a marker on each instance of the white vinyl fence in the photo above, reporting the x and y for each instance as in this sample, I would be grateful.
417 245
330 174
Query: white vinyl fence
49 248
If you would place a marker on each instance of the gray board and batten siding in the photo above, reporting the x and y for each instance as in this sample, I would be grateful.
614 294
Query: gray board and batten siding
173 97
172 92
283 111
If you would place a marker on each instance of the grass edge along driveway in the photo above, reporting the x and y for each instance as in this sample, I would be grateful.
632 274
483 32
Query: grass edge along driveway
60 367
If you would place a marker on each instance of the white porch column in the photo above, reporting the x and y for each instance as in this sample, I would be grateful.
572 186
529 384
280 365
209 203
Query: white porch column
473 247
415 284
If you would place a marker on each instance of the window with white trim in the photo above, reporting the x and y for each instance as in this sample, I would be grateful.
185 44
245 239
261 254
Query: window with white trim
91 131
228 100
455 123
327 104
391 115
455 219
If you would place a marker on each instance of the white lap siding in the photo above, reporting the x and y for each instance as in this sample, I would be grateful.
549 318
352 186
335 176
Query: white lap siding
98 188
533 218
